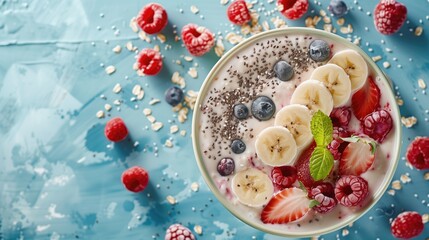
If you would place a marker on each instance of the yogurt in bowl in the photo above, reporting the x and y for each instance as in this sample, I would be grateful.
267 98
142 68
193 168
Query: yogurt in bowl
296 132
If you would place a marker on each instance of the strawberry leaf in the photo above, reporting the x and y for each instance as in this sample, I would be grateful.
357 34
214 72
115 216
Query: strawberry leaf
373 147
351 139
321 128
314 203
321 163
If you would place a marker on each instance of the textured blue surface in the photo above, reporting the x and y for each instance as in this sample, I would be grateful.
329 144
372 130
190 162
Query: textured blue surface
59 176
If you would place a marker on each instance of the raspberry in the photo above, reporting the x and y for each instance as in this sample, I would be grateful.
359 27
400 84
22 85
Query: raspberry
337 145
324 194
284 176
351 190
341 116
116 130
152 18
135 179
198 40
407 225
149 61
179 232
238 13
377 125
418 153
293 9
389 16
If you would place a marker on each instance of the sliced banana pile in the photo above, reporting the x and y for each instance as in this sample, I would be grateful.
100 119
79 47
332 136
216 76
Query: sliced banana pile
354 65
314 95
252 187
276 146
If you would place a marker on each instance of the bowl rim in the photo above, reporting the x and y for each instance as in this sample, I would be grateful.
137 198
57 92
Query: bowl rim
196 119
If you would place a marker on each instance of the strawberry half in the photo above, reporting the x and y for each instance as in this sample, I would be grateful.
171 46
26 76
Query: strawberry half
357 158
286 206
366 100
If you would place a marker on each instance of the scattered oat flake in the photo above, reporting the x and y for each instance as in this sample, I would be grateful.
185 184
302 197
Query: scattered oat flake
151 118
425 218
193 72
136 89
177 79
129 46
409 121
233 38
168 143
147 111
391 192
421 83
161 37
171 200
357 41
183 132
117 88
156 126
340 21
426 176
117 102
278 22
110 69
224 2
174 128
183 114
345 232
219 48
326 19
154 101
399 101
117 49
140 96
195 186
386 64
143 36
188 58
418 31
108 107
194 9
376 58
327 27
396 185
265 26
405 178
100 114
133 25
198 229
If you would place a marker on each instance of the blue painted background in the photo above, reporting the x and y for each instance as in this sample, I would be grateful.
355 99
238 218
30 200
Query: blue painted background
59 176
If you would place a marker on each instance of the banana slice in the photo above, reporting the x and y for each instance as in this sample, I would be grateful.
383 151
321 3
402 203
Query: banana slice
252 187
336 80
276 146
314 95
354 65
296 118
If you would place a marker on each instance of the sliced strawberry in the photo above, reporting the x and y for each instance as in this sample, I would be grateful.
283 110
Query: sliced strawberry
288 205
356 159
366 100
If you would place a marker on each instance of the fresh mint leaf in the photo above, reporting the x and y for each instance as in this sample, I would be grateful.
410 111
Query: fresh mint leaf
313 203
321 128
321 163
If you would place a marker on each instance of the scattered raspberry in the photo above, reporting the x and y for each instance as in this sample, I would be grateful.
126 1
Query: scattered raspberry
238 13
377 125
366 100
293 9
407 225
135 179
337 145
152 18
418 153
149 61
116 130
284 176
389 16
179 232
198 40
341 116
325 195
303 166
351 190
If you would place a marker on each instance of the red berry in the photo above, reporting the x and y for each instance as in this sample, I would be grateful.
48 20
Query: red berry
293 9
116 130
149 61
135 179
284 176
337 145
303 166
325 195
357 158
407 225
377 125
389 16
366 100
351 190
179 232
152 18
238 13
418 153
198 40
341 116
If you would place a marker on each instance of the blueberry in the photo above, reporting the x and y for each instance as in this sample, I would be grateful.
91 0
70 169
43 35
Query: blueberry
174 96
283 70
319 50
241 111
238 146
263 108
338 8
225 166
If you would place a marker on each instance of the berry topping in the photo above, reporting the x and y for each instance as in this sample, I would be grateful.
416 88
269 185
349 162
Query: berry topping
238 146
116 130
284 176
179 232
338 8
366 100
418 153
174 95
407 225
351 190
263 108
225 166
288 205
341 116
389 16
319 50
337 145
377 125
149 61
152 18
356 158
135 179
198 40
292 9
283 70
241 111
303 166
238 13
325 195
